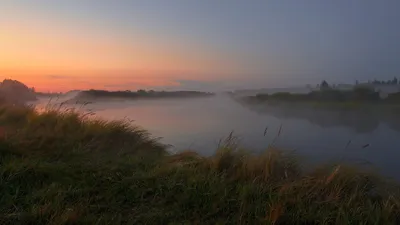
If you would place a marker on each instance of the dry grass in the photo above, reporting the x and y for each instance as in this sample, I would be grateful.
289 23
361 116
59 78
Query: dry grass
61 167
55 130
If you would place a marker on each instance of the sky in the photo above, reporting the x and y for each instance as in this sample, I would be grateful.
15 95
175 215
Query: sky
190 44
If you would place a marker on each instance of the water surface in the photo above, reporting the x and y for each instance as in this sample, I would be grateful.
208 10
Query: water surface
317 136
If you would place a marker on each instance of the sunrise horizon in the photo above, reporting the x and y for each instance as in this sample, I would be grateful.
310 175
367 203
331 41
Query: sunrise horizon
130 45
199 112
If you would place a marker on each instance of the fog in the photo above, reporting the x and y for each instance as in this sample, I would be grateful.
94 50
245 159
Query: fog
199 123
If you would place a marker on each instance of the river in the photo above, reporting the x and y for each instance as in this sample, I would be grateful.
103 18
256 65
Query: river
198 124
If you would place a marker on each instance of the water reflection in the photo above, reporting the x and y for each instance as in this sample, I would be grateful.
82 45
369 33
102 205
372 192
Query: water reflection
360 121
316 135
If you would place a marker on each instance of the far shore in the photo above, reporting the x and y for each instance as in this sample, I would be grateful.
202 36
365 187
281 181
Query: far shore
358 98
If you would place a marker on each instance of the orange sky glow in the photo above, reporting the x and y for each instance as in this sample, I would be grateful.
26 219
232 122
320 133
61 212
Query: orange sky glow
203 45
56 57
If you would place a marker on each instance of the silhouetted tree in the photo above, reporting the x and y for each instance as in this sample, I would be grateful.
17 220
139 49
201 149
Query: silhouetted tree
324 85
141 91
395 81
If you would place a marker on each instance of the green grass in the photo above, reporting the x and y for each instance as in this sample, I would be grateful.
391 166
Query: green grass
65 168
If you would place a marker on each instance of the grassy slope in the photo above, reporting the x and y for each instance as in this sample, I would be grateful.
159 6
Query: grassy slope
62 168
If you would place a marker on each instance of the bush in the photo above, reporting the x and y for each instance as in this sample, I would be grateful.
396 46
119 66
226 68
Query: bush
364 94
360 94
286 96
326 95
393 98
262 97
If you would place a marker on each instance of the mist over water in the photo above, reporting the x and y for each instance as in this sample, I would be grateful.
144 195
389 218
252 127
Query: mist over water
317 136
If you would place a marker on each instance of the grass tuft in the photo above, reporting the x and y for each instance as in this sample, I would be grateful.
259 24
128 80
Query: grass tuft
64 167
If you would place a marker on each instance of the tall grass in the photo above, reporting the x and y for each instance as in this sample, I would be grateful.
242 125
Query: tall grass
58 130
61 167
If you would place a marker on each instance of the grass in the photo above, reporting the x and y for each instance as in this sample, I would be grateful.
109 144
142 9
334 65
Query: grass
62 167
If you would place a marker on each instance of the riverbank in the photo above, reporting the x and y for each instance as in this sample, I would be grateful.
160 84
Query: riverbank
329 105
98 95
357 99
67 168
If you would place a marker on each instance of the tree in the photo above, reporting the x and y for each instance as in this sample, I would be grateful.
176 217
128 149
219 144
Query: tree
141 91
395 81
324 85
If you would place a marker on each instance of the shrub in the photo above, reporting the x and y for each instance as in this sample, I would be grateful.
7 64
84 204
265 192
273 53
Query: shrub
360 94
393 98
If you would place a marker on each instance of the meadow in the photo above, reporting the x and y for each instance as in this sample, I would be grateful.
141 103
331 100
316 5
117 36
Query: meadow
65 167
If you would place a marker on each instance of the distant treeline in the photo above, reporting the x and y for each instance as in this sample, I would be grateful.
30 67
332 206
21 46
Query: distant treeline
394 81
358 94
142 94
